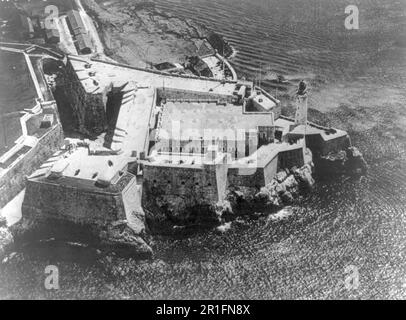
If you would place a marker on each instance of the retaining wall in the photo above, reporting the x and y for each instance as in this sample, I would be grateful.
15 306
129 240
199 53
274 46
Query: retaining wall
189 95
52 199
13 181
197 182
89 109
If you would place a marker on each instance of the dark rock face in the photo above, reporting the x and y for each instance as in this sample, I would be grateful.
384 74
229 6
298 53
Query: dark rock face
79 111
3 222
282 190
167 218
165 213
356 164
349 162
119 236
6 238
140 34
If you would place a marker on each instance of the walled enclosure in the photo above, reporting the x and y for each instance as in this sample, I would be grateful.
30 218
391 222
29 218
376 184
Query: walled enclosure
13 181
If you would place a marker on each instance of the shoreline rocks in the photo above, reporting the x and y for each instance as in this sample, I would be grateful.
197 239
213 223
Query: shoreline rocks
350 162
6 238
181 216
172 217
119 237
281 191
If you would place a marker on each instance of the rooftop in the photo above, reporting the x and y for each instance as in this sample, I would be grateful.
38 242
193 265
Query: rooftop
106 73
222 120
311 129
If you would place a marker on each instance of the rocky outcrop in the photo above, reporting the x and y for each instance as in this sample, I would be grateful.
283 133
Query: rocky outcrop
6 238
118 236
169 218
356 164
140 34
109 217
349 161
282 190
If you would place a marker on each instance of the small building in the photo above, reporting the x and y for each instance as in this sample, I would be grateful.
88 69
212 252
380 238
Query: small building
52 36
76 23
169 67
84 44
47 121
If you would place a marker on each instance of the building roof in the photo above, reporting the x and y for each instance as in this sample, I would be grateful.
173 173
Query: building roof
76 21
84 41
197 119
50 33
107 73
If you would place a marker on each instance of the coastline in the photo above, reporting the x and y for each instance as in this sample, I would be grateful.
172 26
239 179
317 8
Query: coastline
143 35
282 196
353 222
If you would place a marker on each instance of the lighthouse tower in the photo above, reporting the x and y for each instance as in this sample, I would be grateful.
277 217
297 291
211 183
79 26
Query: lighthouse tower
301 109
301 104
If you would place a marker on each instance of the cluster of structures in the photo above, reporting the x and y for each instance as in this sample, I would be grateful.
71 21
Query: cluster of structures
175 136
158 138
30 127
66 27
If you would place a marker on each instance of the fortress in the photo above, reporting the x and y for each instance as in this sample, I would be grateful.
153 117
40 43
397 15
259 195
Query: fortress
149 145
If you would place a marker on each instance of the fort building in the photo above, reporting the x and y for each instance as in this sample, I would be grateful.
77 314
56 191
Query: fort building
155 140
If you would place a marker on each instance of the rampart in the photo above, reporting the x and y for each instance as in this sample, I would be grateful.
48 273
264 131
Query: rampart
89 108
180 95
202 184
289 159
265 170
74 200
13 180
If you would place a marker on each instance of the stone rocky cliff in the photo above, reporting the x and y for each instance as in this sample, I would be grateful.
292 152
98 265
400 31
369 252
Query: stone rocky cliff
141 34
6 238
165 213
349 162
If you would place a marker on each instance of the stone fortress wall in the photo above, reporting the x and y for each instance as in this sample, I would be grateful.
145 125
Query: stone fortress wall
178 187
263 174
170 94
89 108
14 180
76 201
40 127
207 183
203 184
